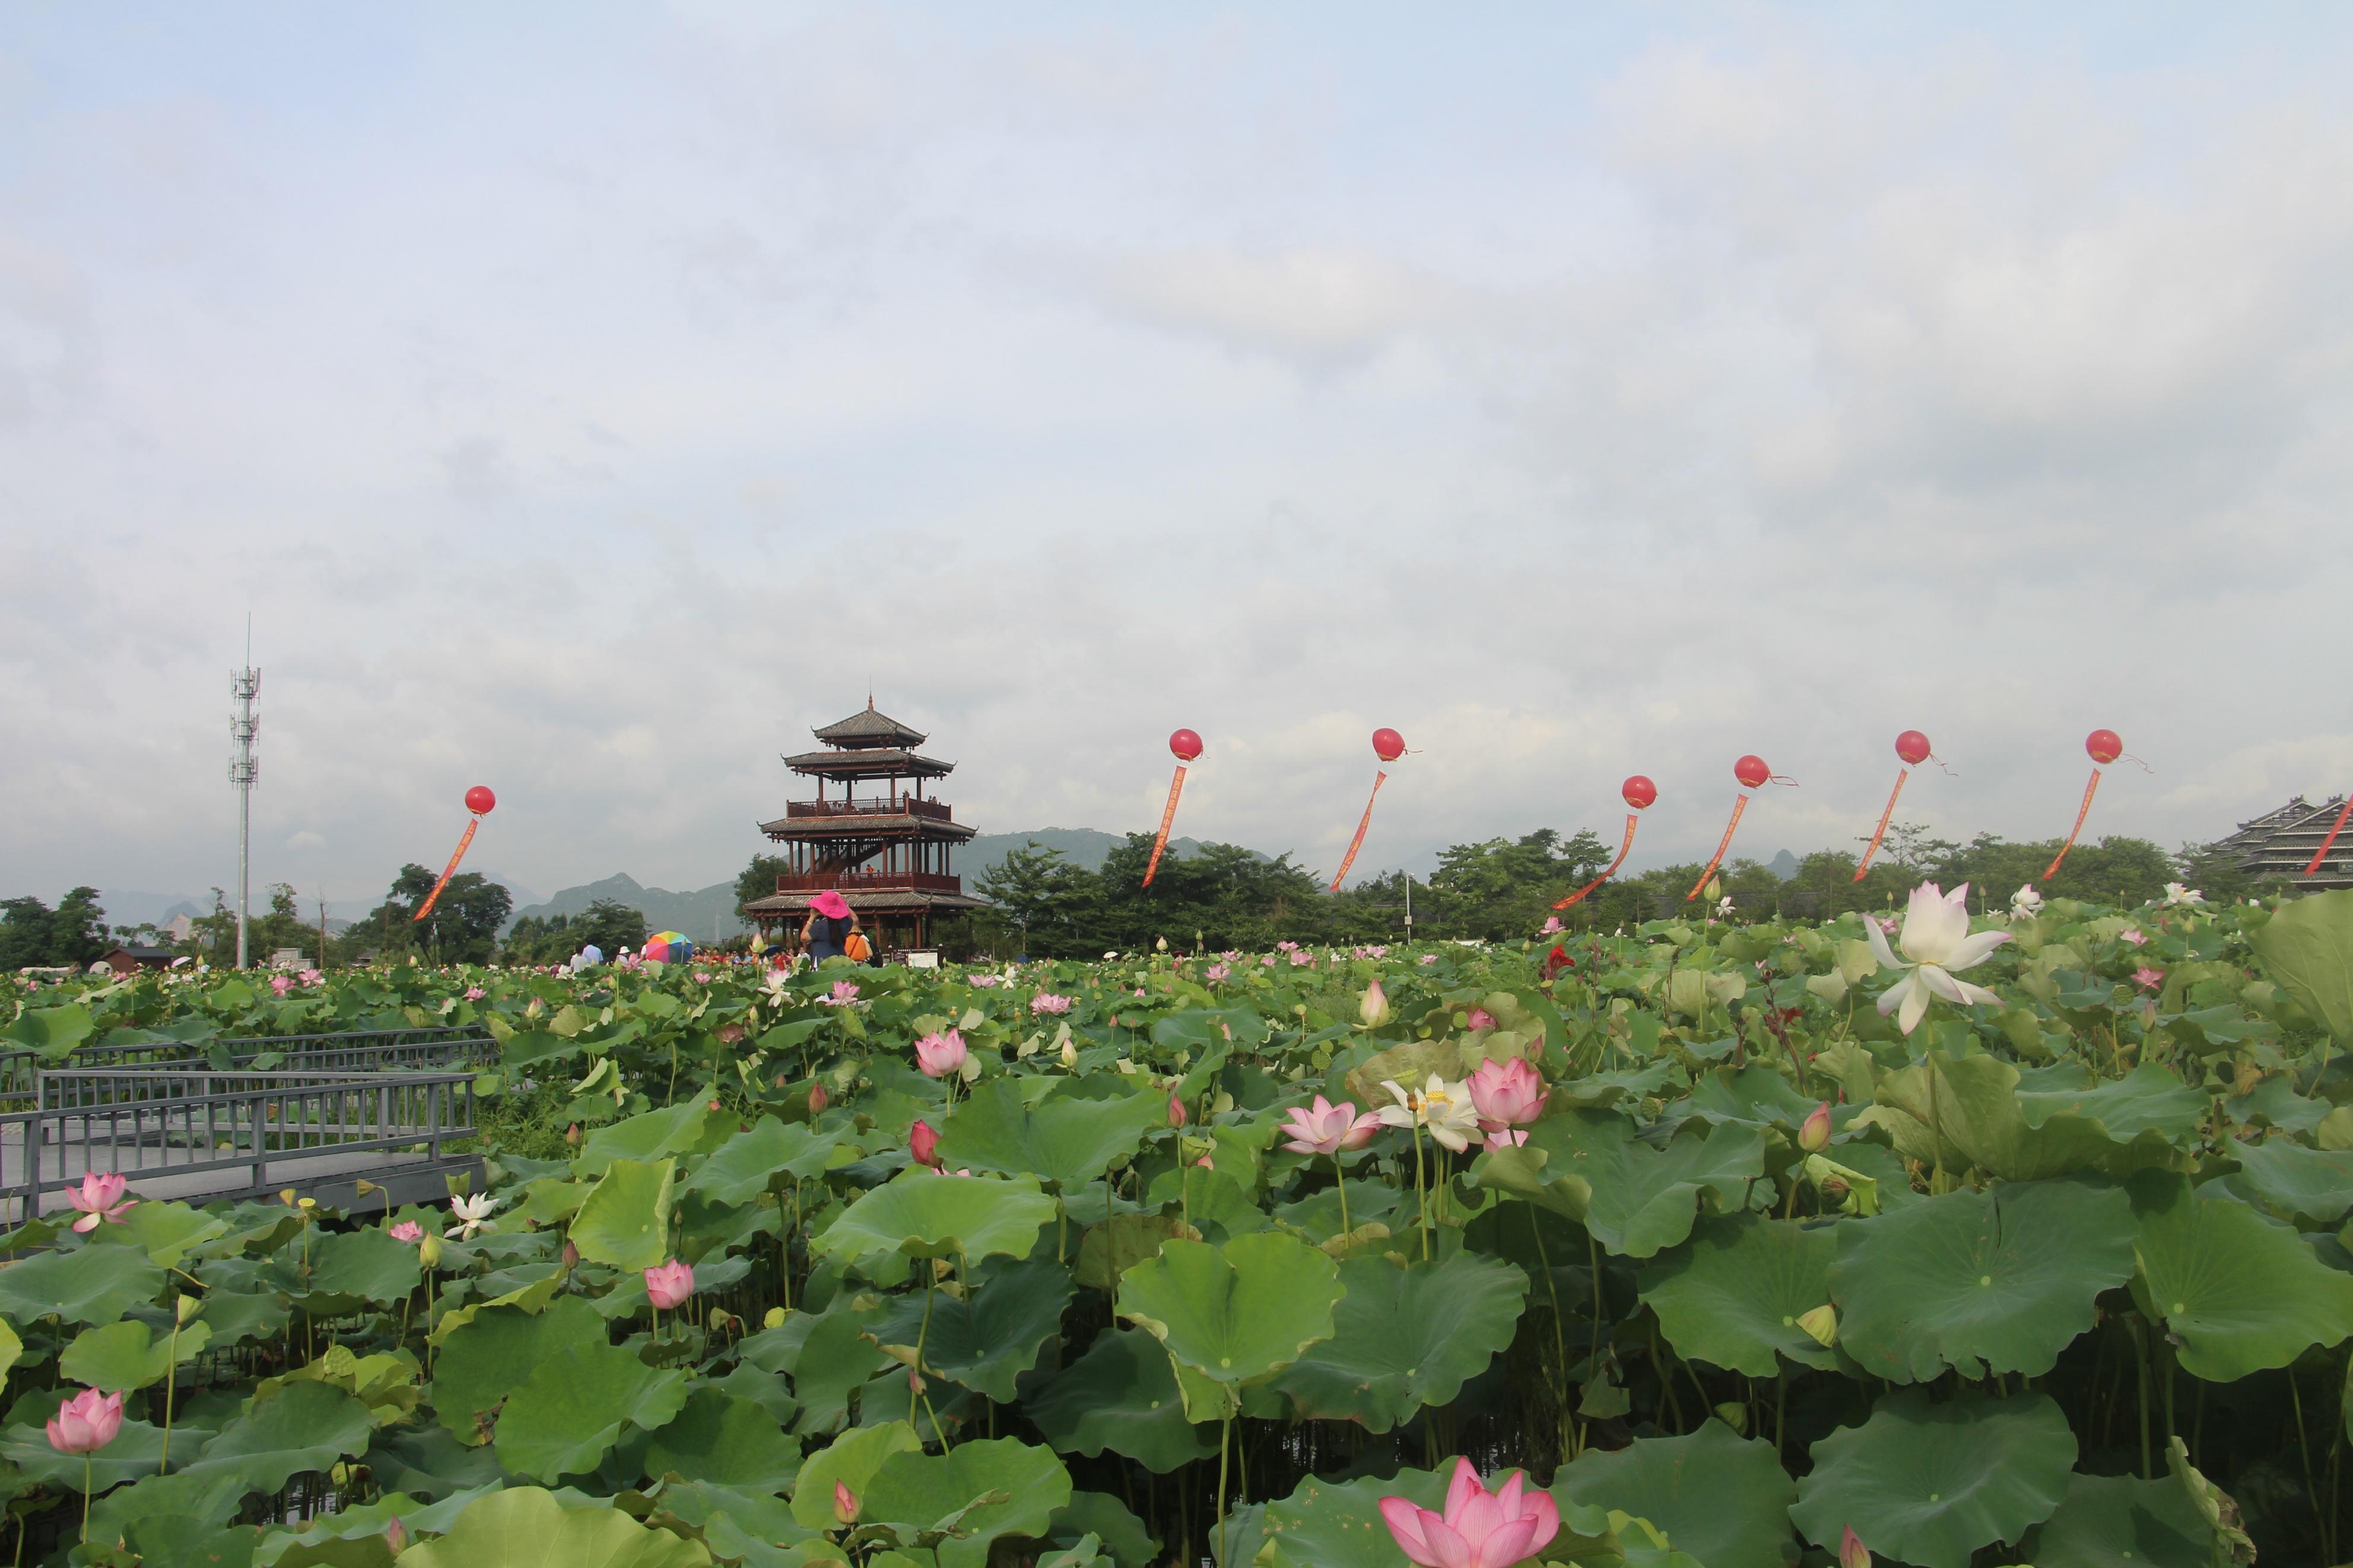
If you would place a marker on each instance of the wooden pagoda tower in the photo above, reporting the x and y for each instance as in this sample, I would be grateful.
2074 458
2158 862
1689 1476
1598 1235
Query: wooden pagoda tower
887 851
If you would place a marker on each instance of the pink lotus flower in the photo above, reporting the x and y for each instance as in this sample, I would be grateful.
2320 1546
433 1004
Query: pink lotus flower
1479 1019
1177 1113
702 979
408 1230
312 977
1428 959
1302 961
1267 960
1551 926
475 994
1507 1138
1326 1129
2149 979
86 1422
1479 1529
845 992
983 981
1507 1090
922 1143
281 983
2133 936
1047 1002
99 1198
1814 1135
670 1286
1219 972
940 1055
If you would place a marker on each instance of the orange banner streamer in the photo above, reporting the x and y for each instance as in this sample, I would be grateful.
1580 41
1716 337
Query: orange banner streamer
2327 843
447 872
1739 806
1168 817
2082 812
1881 831
1623 850
1358 841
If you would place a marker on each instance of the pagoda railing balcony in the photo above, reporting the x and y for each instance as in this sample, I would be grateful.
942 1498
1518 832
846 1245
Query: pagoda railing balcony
874 881
905 806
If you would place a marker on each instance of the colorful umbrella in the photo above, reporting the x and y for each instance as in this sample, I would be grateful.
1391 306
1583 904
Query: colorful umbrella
667 947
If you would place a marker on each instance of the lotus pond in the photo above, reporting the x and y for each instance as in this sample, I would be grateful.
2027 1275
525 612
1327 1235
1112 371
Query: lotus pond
1170 1257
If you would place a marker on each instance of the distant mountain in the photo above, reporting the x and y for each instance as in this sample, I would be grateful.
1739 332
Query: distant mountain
1784 865
126 908
706 914
1081 846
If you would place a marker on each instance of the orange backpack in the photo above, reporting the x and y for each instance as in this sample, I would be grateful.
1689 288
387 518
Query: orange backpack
858 948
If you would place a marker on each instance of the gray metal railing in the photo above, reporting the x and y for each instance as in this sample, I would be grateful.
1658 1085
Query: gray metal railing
178 1132
362 1050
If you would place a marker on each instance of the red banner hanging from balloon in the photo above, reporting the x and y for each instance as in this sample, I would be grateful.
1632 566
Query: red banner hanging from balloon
1358 841
1167 820
2082 812
1880 832
2104 746
1739 806
1623 850
479 800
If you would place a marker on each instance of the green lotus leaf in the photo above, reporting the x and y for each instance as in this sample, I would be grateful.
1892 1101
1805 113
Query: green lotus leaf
2116 1521
167 1232
625 1219
212 1497
922 1491
1998 1280
51 1032
1637 1200
12 1348
2292 1181
673 1130
574 1405
1062 1140
851 1460
366 1265
922 1214
1324 1524
727 1441
2307 948
1405 1337
137 1449
302 1427
2149 1099
1967 1111
1235 1312
496 1354
525 1527
1124 1240
237 1316
88 1285
1732 1295
742 1168
2238 1293
1128 1541
1122 1396
834 1358
117 1358
1929 1484
989 1340
1722 1498
1756 1096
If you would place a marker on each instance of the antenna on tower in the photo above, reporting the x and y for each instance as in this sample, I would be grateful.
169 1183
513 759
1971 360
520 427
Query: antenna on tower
244 772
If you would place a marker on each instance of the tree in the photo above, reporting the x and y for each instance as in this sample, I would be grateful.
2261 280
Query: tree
25 926
759 879
77 930
1049 900
462 929
608 923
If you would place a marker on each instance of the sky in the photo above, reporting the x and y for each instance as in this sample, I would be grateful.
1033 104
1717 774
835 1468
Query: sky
588 400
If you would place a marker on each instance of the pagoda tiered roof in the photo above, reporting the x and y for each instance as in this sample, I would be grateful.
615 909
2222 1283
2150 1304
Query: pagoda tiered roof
867 728
868 761
2279 845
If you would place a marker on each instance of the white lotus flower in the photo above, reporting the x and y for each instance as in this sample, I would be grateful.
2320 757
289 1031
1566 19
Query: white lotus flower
1937 941
2025 903
2177 893
1444 1107
475 1214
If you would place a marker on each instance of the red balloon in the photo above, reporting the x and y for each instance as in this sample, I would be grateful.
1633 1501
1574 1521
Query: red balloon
1913 747
2105 745
1639 793
480 800
1387 745
1751 772
1185 744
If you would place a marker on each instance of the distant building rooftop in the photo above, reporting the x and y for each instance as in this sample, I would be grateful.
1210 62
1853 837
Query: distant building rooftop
2279 845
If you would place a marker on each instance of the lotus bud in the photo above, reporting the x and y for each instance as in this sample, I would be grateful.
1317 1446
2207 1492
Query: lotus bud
1814 1135
1070 1054
773 1318
1375 1007
188 1307
1853 1553
395 1537
845 1504
429 1251
922 1143
1177 1113
571 1254
1821 1325
1734 1413
571 1135
1161 946
1714 888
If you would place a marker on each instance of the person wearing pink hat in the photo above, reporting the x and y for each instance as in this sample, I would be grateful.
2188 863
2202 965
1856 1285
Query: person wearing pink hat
825 933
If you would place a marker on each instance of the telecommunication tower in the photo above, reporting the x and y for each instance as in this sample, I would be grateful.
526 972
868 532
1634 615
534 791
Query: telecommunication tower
243 772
